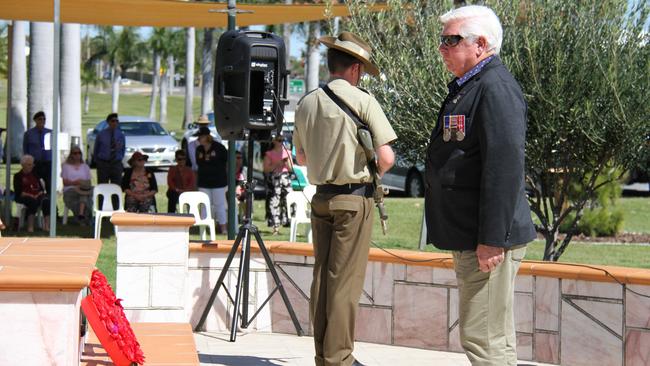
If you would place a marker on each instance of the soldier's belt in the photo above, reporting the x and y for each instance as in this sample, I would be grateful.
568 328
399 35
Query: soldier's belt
357 189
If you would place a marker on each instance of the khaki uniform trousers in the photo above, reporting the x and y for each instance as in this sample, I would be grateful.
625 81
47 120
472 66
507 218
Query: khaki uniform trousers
341 226
486 316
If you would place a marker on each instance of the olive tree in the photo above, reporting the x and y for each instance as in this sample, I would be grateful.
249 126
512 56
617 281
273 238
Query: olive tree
584 67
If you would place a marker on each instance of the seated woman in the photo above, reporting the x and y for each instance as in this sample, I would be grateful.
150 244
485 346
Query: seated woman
77 190
29 191
139 185
180 178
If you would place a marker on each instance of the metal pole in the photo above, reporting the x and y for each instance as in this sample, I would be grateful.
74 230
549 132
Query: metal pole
232 207
7 201
54 136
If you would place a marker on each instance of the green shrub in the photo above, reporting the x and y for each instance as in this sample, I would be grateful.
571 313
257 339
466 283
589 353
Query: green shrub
601 216
598 222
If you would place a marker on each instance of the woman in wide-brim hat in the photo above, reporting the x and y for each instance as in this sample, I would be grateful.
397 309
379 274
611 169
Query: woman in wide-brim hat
203 120
139 185
351 44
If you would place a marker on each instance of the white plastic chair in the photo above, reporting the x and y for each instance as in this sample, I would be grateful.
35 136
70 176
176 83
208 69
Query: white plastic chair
298 202
21 211
106 191
191 202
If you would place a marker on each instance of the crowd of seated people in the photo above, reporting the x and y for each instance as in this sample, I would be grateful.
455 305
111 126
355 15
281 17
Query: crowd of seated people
138 183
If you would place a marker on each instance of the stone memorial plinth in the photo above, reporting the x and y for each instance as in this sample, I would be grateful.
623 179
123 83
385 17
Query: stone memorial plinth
151 278
41 286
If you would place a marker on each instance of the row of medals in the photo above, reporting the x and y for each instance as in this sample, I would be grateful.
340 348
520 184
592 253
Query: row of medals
448 133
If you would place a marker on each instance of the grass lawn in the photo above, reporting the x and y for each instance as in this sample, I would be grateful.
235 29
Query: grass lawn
405 214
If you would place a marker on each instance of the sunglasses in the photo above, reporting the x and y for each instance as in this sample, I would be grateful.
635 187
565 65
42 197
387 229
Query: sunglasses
76 153
114 120
451 40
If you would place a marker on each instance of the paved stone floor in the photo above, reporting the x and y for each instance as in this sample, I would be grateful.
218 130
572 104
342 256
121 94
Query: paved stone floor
264 349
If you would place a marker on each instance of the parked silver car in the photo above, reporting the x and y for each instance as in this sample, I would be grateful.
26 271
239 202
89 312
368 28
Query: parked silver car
141 134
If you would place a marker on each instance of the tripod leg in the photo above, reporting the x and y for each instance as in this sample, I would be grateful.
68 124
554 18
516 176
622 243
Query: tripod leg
246 283
222 276
240 283
278 283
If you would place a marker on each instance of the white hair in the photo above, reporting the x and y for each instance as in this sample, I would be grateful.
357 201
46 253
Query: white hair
26 159
477 21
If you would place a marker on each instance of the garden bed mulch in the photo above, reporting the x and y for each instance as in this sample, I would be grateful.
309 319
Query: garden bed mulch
623 238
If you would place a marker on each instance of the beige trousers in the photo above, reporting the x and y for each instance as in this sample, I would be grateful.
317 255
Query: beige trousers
341 226
486 316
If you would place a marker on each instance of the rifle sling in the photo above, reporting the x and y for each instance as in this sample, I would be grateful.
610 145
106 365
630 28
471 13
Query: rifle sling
355 118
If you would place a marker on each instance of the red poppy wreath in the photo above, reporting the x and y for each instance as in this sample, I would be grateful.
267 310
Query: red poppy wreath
106 316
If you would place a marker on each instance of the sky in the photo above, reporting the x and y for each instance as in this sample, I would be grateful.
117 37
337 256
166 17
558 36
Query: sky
297 43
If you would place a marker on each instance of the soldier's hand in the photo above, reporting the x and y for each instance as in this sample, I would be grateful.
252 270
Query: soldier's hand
489 257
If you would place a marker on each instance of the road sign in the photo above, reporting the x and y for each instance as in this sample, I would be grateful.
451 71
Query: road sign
296 86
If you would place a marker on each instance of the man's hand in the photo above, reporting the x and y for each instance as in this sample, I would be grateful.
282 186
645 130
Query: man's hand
489 257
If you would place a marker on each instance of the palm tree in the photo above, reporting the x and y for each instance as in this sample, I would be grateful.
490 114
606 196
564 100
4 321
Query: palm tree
40 80
170 51
122 51
4 38
207 69
89 78
313 56
164 86
286 35
190 47
70 80
18 96
156 43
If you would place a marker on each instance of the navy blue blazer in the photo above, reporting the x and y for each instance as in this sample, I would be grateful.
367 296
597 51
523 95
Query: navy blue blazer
474 188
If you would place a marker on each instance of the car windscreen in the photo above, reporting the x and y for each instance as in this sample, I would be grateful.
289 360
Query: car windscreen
142 129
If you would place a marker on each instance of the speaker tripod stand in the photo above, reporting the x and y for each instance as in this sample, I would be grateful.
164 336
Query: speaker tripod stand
243 239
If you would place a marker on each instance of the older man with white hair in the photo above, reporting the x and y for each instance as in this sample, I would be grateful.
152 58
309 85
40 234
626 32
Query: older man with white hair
475 200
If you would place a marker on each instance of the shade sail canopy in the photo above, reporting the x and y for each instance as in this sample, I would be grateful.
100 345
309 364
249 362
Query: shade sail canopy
164 13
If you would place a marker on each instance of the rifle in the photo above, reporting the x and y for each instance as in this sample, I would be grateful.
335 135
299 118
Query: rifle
365 140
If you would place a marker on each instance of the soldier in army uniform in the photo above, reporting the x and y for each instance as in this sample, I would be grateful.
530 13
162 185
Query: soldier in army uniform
475 200
326 141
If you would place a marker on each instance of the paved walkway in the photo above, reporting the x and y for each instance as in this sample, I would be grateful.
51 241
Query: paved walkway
264 349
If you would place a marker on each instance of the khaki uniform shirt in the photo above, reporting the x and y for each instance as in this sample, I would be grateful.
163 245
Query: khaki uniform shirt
328 135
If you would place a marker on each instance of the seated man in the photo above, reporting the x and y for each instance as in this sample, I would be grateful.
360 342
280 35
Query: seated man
29 191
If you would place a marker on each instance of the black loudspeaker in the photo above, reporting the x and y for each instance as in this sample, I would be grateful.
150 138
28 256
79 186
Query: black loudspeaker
250 86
